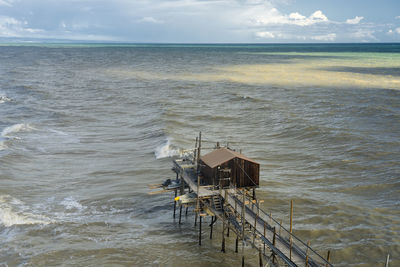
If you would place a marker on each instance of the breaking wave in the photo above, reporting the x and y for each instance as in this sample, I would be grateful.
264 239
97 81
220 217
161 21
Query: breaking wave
15 212
71 203
7 133
167 150
16 128
4 99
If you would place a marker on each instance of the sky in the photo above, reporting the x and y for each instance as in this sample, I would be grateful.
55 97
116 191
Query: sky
201 21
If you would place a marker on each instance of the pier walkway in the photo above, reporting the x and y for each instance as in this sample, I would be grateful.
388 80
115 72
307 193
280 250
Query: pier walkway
239 211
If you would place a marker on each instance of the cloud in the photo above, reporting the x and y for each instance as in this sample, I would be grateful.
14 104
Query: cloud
180 21
274 17
326 37
11 27
356 20
397 30
6 3
266 35
398 17
364 35
149 20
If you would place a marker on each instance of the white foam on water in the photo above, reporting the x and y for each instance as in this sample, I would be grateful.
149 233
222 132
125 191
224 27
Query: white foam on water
4 99
8 132
71 203
167 150
16 128
14 212
2 144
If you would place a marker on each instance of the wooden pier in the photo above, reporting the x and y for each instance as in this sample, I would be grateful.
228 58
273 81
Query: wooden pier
234 204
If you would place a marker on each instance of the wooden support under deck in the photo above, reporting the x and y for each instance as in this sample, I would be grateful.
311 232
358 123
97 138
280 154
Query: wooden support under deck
239 211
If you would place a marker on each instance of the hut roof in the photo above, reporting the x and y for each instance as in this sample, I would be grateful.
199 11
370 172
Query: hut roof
222 155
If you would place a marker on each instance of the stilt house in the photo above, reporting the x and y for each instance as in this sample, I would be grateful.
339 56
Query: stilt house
226 167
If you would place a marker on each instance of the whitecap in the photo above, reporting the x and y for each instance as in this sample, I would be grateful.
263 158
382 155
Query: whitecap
70 204
3 146
16 128
4 99
14 212
167 150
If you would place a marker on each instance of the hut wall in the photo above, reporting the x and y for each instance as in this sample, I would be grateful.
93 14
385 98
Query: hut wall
238 177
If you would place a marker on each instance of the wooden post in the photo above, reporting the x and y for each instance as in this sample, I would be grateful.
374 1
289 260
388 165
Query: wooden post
180 214
227 234
195 151
211 225
235 206
328 257
176 192
273 243
198 182
200 230
243 261
260 257
199 149
308 245
181 192
223 221
255 227
265 228
223 237
237 244
195 219
186 211
291 228
387 260
243 214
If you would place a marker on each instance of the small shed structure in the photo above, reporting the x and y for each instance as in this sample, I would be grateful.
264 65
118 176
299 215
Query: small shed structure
223 163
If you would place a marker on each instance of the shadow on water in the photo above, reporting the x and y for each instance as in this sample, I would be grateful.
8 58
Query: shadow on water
390 71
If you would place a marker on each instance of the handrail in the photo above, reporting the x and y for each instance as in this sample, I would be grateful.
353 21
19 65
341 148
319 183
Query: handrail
285 230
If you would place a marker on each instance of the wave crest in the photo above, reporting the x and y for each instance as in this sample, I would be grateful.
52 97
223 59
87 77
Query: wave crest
16 128
14 212
167 150
4 99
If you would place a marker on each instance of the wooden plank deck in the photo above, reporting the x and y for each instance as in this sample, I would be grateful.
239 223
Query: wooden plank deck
280 244
256 220
188 173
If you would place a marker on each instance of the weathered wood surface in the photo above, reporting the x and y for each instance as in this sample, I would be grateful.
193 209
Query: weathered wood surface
250 217
190 177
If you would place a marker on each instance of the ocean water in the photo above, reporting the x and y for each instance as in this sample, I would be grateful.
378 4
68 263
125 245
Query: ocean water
85 128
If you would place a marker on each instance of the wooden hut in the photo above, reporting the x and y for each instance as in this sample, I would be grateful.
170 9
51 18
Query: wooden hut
231 167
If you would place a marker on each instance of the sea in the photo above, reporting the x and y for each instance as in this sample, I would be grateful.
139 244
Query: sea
85 128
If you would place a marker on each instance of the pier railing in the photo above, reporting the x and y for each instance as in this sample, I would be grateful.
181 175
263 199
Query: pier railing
294 243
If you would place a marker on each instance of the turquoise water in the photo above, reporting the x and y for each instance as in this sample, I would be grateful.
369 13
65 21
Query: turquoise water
86 127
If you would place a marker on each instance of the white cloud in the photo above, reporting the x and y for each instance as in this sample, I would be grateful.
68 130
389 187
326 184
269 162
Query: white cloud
11 27
266 35
318 16
398 17
6 3
181 21
356 20
397 30
296 16
326 37
364 34
150 20
275 17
